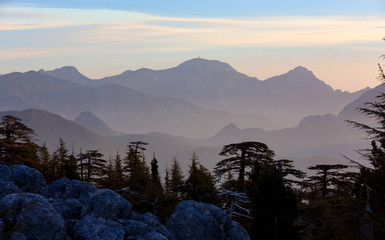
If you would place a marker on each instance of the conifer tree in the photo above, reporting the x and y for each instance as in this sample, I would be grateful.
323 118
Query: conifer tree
327 174
274 205
371 182
61 159
81 166
45 162
200 184
241 157
94 166
16 143
137 172
156 186
176 180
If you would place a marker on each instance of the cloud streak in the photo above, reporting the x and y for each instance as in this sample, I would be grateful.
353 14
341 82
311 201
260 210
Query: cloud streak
108 26
44 34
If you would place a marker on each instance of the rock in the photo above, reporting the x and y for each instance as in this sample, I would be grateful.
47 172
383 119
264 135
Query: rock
1 229
70 223
238 232
107 204
17 236
91 228
32 215
79 190
7 188
135 229
154 224
4 173
26 178
154 236
192 220
55 189
68 208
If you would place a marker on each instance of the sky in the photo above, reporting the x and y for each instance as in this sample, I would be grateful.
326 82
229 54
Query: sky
341 42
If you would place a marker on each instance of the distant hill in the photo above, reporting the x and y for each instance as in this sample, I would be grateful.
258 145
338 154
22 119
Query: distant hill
216 85
123 109
315 140
50 127
67 73
350 112
322 135
92 122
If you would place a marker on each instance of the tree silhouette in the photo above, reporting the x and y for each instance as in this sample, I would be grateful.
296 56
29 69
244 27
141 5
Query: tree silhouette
372 178
94 166
241 158
16 144
327 174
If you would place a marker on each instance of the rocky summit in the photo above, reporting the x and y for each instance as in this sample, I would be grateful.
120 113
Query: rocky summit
75 210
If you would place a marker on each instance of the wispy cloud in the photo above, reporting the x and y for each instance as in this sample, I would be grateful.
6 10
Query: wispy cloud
108 26
95 35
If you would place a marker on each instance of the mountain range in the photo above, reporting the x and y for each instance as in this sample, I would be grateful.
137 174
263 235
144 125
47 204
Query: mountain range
212 84
125 110
207 102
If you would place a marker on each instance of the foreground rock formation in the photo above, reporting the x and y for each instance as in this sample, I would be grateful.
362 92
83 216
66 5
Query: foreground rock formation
65 209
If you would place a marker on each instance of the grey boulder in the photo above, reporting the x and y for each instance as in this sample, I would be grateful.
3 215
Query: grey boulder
97 228
55 189
107 204
33 216
7 188
79 190
26 178
192 220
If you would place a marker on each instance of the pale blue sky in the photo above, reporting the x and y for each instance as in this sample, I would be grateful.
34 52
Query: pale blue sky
340 41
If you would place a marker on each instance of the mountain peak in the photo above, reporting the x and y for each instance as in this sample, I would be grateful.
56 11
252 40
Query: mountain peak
67 73
205 64
92 122
301 71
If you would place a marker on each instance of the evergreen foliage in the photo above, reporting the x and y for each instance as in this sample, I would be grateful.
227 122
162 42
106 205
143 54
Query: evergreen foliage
16 143
241 158
176 182
371 184
93 165
200 184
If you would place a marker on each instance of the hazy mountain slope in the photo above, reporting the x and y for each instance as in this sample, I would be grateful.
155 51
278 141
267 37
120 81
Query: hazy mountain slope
198 80
123 109
50 127
212 84
315 135
350 111
68 73
92 122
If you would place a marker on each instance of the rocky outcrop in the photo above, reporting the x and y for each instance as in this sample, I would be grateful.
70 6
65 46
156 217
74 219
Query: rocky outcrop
31 215
107 204
192 220
65 209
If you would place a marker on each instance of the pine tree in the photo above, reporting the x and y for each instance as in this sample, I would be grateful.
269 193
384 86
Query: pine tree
119 169
327 174
371 184
274 205
45 162
81 166
137 172
156 186
16 143
176 180
200 184
94 166
61 159
241 157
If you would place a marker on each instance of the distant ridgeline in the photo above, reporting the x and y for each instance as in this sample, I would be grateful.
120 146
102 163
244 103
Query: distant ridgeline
266 197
